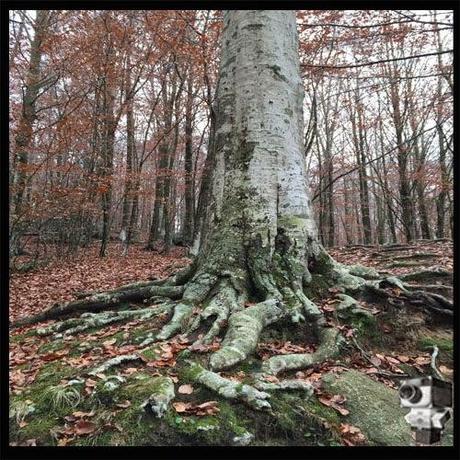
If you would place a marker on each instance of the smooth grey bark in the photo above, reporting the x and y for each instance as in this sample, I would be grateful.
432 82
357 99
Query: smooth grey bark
261 233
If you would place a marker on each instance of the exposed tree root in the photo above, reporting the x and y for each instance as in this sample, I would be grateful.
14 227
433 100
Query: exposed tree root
178 279
422 275
417 255
225 302
219 300
103 301
228 388
348 305
92 320
117 361
194 293
331 342
427 300
396 247
288 384
441 288
162 395
243 333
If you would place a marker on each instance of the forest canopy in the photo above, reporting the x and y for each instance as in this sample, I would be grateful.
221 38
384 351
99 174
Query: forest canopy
110 115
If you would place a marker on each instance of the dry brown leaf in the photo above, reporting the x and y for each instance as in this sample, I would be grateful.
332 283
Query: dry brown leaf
185 389
109 343
180 407
421 360
375 361
124 404
90 383
80 414
84 427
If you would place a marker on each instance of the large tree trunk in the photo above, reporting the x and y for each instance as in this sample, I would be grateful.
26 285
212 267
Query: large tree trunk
263 234
259 188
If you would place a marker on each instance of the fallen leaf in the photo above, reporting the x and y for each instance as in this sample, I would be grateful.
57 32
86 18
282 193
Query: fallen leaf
109 343
446 371
64 441
80 414
180 407
124 404
185 389
84 427
421 360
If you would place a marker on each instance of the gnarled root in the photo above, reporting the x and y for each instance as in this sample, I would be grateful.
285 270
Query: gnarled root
288 384
331 342
93 320
195 292
163 393
243 333
427 300
103 301
422 275
228 388
117 361
225 302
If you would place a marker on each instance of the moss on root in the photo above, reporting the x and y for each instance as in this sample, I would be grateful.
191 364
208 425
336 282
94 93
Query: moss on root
317 287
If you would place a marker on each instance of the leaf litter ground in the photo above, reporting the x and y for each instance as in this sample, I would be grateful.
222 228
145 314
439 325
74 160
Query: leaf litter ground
30 355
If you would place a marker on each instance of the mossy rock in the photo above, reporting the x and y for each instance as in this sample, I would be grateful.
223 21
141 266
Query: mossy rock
374 408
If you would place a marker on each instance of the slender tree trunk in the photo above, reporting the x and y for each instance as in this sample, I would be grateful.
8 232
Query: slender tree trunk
24 133
204 196
402 154
444 177
188 167
358 138
130 153
107 151
347 214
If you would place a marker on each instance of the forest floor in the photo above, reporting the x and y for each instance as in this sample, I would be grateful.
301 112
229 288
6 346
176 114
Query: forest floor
56 400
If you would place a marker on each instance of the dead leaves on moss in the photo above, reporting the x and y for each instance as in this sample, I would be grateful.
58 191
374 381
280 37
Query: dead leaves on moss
334 401
186 389
351 435
187 408
266 350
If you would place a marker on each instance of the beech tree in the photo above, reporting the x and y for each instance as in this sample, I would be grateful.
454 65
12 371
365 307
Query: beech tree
260 261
